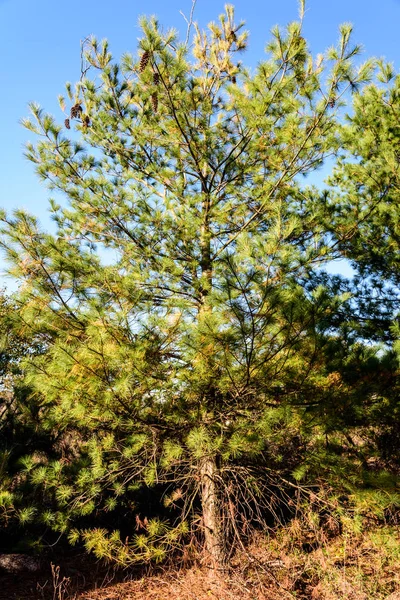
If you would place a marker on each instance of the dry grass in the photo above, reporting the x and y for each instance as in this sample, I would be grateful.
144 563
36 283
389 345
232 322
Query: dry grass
299 562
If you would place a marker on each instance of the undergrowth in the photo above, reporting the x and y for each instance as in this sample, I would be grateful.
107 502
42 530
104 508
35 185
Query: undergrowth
308 559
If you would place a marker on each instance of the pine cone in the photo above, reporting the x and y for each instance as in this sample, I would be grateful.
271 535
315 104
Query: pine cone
332 103
76 111
85 121
156 78
154 101
233 78
144 61
66 123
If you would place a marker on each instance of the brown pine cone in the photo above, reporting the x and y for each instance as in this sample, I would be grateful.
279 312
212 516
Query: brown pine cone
144 61
76 111
154 101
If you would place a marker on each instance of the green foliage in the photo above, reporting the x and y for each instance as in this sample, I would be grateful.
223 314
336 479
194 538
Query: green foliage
187 333
368 174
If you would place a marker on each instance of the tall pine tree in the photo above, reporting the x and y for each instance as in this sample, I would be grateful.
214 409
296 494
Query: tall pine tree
175 298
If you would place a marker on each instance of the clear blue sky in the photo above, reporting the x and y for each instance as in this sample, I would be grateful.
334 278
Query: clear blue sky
40 46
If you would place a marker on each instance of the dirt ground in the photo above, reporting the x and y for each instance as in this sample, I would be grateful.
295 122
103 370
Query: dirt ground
253 576
190 584
184 584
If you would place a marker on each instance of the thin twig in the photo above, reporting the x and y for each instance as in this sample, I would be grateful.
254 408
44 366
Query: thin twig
85 66
189 21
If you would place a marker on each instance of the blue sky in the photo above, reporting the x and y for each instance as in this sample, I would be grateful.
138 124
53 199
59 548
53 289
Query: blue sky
40 47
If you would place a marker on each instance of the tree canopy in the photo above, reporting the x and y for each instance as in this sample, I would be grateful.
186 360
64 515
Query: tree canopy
192 342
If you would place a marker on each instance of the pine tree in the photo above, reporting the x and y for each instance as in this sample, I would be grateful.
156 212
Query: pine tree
367 177
366 181
21 430
175 299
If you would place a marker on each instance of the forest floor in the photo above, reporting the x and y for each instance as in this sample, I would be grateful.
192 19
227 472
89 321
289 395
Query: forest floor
345 567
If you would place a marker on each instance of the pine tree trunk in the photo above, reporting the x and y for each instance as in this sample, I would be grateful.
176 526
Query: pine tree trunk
213 527
213 531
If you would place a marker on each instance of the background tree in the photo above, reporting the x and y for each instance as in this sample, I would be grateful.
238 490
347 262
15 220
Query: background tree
21 429
178 300
368 177
367 186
